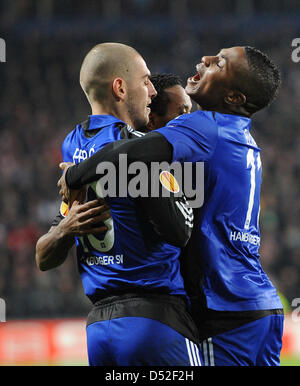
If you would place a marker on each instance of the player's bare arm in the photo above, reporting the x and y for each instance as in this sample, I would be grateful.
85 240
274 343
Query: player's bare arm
53 247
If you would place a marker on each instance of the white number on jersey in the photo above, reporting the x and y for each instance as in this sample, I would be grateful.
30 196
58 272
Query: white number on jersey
254 168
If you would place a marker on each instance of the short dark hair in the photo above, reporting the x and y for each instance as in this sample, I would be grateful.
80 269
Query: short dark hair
161 82
262 82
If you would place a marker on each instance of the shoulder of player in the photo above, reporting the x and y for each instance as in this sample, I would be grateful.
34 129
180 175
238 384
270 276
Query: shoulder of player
69 139
197 118
70 136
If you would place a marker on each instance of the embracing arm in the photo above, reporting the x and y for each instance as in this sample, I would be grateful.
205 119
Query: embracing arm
151 147
171 216
53 247
188 138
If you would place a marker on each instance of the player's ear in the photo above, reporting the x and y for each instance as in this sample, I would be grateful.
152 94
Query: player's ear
119 88
235 97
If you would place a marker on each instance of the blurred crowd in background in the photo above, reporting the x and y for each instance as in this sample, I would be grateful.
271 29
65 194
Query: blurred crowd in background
41 101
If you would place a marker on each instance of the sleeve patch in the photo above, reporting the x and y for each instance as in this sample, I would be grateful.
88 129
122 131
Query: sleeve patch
64 209
169 182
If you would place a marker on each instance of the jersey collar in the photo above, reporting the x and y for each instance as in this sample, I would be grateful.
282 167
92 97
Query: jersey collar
234 121
99 121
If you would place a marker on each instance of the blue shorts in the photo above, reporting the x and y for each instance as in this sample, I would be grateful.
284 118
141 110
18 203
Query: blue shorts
134 330
257 343
135 341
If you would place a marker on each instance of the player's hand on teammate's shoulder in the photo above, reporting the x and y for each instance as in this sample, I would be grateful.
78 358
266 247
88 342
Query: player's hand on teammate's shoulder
64 192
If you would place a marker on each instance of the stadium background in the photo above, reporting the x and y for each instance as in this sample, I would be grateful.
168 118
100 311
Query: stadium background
41 101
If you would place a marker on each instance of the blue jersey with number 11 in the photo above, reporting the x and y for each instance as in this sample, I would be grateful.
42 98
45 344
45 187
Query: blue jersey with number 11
227 234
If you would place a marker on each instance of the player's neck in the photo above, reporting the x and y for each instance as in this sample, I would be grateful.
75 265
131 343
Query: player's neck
115 111
232 111
226 109
235 110
98 109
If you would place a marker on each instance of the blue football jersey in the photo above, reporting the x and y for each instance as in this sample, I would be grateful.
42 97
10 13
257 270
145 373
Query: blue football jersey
227 233
129 256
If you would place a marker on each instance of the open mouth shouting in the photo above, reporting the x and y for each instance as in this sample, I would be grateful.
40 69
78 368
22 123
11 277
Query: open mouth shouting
197 77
